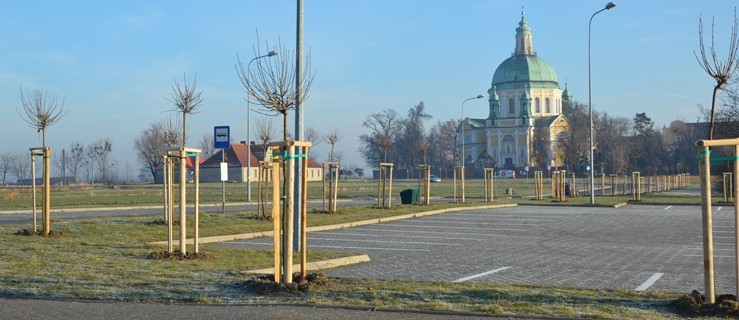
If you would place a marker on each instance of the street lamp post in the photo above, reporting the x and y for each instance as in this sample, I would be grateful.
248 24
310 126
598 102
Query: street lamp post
461 160
609 6
248 127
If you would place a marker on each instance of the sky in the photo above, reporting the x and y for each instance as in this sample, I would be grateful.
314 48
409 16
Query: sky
114 62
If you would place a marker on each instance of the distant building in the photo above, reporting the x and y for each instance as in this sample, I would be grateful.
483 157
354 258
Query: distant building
237 156
525 119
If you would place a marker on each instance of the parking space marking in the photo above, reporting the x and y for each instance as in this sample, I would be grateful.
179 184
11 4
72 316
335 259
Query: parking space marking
426 232
475 223
481 274
491 219
719 209
465 228
700 255
337 247
397 236
313 238
644 286
668 207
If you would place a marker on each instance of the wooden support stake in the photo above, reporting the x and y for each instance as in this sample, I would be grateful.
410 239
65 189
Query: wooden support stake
288 219
33 190
708 275
47 191
276 214
197 204
304 218
735 190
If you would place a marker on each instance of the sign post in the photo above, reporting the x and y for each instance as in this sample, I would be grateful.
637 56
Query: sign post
222 140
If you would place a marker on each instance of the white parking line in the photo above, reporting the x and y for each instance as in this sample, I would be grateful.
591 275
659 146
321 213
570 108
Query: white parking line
397 236
339 247
474 223
644 286
700 255
491 219
382 241
719 209
426 232
465 228
480 274
668 207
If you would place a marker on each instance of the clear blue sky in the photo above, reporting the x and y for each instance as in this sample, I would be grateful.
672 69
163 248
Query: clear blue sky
114 62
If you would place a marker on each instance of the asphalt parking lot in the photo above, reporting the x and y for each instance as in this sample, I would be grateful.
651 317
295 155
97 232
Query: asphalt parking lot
632 248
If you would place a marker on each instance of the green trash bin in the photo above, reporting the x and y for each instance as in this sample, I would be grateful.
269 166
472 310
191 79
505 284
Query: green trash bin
409 196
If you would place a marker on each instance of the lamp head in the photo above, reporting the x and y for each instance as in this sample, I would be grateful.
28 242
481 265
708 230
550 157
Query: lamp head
274 53
479 96
610 5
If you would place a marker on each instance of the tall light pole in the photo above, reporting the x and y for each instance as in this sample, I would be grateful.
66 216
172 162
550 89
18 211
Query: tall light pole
248 127
461 158
609 6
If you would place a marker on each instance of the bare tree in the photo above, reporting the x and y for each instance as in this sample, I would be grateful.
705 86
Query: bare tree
6 160
102 149
170 129
186 99
207 148
720 70
150 147
75 161
21 166
332 137
41 110
384 126
272 82
265 132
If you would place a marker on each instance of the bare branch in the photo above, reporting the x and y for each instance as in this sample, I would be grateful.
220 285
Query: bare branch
186 99
720 70
40 109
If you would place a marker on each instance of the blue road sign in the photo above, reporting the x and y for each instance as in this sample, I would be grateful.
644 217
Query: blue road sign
222 137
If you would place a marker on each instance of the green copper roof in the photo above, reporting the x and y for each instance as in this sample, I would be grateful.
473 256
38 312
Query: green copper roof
523 26
518 70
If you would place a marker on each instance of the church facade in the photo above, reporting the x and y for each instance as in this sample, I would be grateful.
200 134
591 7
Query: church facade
525 118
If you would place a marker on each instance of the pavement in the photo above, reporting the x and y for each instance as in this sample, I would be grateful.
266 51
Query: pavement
638 247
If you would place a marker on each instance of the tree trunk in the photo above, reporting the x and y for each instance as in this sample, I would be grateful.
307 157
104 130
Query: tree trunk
713 111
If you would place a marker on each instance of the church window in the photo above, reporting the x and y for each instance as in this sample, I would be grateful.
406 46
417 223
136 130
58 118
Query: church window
547 109
511 106
537 106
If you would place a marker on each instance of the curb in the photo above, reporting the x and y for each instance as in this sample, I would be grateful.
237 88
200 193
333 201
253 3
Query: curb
320 265
252 235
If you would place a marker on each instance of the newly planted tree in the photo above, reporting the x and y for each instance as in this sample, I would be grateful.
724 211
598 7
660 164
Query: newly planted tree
186 99
41 109
720 70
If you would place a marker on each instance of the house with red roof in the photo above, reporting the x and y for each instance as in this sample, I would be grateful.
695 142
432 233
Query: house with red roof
238 158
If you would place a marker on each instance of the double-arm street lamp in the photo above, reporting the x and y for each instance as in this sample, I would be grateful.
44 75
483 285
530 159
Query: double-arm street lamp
461 160
609 6
248 127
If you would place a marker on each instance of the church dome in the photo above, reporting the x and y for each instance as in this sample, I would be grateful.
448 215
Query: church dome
524 67
519 70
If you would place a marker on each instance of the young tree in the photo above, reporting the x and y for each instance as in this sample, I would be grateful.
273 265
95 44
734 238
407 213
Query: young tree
332 137
186 99
41 110
720 70
271 83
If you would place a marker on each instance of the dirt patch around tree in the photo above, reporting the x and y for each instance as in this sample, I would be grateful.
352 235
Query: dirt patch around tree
28 232
694 304
265 285
177 255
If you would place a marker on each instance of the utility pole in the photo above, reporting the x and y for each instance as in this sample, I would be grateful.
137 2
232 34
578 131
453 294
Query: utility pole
298 124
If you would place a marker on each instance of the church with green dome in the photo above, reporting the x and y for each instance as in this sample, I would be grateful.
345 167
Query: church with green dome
525 117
